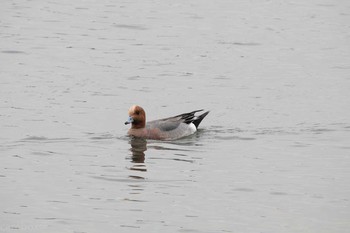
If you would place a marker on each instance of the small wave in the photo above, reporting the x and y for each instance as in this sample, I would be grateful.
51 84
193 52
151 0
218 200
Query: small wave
103 137
240 43
42 139
123 180
222 133
13 52
34 138
232 137
130 26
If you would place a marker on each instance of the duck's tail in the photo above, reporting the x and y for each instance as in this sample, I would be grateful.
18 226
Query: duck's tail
197 120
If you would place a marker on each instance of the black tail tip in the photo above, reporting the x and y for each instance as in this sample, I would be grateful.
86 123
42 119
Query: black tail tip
199 119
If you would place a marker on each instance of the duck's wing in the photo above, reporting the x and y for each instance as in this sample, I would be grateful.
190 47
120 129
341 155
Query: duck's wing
166 124
172 123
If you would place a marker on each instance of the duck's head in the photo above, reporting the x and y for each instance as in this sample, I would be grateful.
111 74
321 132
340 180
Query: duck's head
137 117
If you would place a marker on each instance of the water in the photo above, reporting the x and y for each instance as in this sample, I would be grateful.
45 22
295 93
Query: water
272 155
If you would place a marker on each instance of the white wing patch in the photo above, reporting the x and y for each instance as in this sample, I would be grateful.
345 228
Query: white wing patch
192 128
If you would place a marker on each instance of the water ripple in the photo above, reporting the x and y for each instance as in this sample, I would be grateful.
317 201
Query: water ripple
43 139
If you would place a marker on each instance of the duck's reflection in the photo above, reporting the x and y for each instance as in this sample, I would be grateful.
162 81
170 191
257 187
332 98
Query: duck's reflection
138 148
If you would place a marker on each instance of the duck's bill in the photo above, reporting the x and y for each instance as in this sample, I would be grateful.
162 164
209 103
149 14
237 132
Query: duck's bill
130 120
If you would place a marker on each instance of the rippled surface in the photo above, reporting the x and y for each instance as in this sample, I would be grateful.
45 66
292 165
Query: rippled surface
272 155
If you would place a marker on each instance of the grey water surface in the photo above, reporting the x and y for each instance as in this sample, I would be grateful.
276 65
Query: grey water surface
273 155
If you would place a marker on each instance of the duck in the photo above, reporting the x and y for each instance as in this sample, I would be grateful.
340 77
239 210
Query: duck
170 128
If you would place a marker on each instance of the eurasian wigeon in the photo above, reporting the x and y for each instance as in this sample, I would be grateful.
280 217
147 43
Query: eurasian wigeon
164 129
